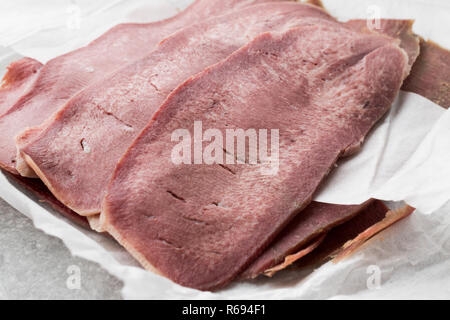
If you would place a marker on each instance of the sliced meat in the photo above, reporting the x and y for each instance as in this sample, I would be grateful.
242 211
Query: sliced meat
324 246
398 29
96 127
19 77
337 237
317 219
430 75
391 217
290 259
65 75
324 87
21 140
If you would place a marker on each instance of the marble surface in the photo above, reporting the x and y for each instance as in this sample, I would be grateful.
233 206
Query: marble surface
34 265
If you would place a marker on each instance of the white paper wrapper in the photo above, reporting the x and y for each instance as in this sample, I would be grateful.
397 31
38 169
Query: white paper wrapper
406 158
46 29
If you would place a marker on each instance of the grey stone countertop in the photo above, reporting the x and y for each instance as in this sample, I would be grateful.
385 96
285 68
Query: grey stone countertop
34 265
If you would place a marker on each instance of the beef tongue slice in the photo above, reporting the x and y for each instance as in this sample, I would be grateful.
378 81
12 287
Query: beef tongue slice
400 29
370 216
294 242
322 87
20 75
430 75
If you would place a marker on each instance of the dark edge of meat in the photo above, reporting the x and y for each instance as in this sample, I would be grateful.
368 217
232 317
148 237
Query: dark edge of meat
40 191
317 3
317 219
338 236
430 72
430 75
392 217
292 258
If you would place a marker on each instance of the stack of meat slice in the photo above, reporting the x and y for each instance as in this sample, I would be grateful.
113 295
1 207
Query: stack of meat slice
104 119
201 225
64 76
102 143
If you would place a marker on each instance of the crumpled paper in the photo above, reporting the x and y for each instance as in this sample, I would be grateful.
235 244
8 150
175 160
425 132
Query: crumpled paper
46 29
405 158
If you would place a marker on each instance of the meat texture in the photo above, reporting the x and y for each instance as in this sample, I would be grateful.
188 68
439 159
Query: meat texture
323 86
65 75
374 213
391 218
318 218
19 77
398 29
279 255
430 75
292 258
95 128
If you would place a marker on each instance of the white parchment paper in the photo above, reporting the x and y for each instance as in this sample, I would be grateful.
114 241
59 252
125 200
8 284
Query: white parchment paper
407 158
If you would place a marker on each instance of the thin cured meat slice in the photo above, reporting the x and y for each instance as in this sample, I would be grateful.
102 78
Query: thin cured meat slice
398 29
344 240
430 75
65 75
292 258
96 127
406 36
200 225
317 219
20 164
345 232
324 246
19 76
430 72
394 25
391 218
